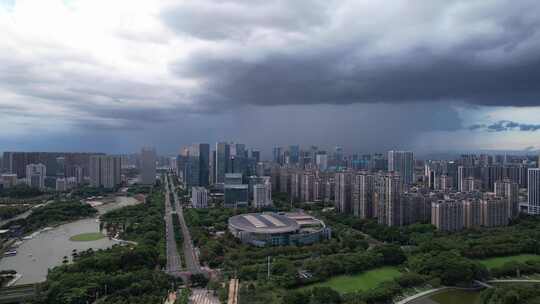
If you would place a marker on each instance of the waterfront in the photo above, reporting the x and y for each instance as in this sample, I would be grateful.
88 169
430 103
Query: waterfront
47 249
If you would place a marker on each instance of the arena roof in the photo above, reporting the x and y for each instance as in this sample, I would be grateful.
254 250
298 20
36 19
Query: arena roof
264 223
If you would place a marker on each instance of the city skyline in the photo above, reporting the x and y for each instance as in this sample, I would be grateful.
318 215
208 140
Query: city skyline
269 73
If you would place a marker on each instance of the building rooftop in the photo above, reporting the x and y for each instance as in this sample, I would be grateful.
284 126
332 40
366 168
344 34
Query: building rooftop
264 223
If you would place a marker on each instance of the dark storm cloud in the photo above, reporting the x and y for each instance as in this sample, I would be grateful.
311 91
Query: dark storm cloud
495 61
218 20
506 125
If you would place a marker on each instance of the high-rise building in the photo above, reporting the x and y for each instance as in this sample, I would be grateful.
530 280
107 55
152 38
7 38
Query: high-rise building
307 188
199 197
277 154
415 207
402 162
105 171
235 193
509 190
294 154
35 175
363 186
447 215
494 212
196 167
9 180
343 196
16 162
262 194
472 212
322 161
389 189
223 154
256 155
148 165
61 184
533 190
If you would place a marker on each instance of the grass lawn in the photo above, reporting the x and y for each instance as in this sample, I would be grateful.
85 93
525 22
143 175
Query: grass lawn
87 237
500 261
360 282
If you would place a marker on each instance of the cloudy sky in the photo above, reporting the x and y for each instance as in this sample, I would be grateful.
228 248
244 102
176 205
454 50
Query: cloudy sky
112 76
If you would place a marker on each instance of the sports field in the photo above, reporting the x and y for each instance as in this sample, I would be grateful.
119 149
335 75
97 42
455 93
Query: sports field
360 282
500 261
87 237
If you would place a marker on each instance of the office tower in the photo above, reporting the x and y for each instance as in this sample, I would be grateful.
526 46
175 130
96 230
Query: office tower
338 155
343 196
256 155
472 213
235 193
447 215
277 154
322 161
431 178
196 167
35 175
105 171
533 189
402 162
148 166
199 197
238 159
294 154
223 154
233 178
451 171
509 190
362 195
60 166
262 194
389 188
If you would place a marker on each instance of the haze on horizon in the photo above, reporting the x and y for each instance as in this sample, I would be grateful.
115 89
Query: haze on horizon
112 76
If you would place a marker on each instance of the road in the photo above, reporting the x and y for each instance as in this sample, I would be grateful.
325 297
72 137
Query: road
203 296
191 259
174 264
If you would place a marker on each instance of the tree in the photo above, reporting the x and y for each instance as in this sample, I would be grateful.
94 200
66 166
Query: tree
325 295
296 297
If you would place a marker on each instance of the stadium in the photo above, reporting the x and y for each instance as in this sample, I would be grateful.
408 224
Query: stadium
278 229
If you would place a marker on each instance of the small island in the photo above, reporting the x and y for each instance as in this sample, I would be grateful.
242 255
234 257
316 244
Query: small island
87 237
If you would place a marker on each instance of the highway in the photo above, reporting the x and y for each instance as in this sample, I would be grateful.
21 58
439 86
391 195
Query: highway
191 259
174 264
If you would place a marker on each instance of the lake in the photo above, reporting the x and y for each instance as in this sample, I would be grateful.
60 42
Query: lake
47 249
